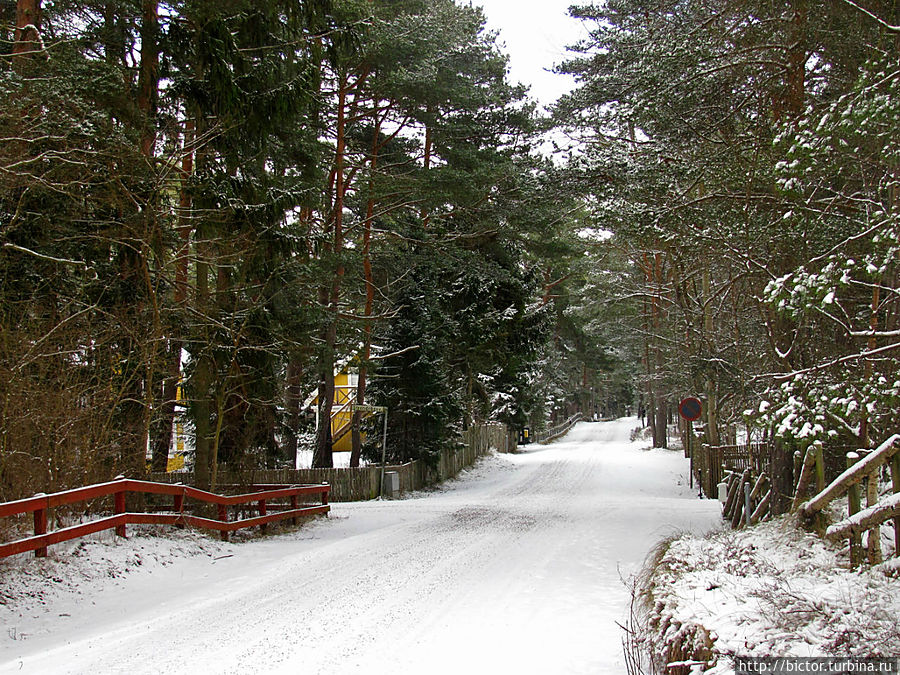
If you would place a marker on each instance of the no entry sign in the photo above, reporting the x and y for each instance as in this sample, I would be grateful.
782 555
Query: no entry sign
690 408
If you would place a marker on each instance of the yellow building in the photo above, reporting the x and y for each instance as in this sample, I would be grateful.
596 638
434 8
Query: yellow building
345 384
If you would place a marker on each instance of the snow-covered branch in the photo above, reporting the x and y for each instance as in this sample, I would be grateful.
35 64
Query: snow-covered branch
868 354
884 24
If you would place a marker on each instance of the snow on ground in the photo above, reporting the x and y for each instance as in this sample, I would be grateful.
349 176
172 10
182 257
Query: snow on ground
773 590
341 459
517 566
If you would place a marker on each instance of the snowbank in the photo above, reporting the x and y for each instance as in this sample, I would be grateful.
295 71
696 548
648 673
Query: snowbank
78 569
771 590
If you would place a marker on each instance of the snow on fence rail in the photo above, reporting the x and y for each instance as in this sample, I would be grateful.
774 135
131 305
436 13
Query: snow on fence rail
747 471
859 520
39 506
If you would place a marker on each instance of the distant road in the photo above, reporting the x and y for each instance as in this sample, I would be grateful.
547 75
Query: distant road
517 567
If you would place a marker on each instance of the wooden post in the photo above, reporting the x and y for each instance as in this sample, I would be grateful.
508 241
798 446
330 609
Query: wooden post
325 492
120 509
895 479
223 516
758 486
731 495
178 507
760 511
853 508
874 535
294 507
806 470
739 502
820 466
748 510
262 512
40 527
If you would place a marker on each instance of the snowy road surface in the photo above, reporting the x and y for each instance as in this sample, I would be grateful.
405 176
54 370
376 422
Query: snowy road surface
517 567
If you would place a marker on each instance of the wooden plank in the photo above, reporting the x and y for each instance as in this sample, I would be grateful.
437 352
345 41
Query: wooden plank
61 535
21 506
852 475
220 525
762 508
59 498
225 500
865 519
40 527
806 472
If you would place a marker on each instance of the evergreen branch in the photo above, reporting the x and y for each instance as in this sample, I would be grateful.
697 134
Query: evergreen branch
42 256
868 354
884 24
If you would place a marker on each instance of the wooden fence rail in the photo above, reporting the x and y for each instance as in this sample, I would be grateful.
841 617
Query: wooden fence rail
877 512
39 506
558 430
748 472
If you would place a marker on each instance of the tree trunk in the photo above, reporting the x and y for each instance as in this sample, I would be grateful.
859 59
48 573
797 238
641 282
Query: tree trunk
658 399
27 35
322 456
426 164
148 78
161 432
868 371
203 372
292 401
797 58
356 436
166 417
712 402
161 399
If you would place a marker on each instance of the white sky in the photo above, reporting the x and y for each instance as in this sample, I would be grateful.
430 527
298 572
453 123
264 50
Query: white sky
535 34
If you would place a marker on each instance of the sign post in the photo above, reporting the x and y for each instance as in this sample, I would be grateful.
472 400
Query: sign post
690 409
374 409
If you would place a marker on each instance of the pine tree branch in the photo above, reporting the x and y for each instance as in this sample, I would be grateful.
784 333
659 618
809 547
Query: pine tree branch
884 24
42 256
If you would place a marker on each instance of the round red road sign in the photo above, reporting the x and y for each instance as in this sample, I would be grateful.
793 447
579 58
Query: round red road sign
690 408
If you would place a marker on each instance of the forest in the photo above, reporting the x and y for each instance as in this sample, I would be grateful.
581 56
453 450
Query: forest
745 154
206 209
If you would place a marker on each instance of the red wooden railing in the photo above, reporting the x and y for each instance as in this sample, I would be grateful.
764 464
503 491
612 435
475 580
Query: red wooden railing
40 504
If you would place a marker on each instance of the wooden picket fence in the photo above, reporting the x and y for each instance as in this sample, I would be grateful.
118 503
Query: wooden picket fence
748 497
40 506
747 473
363 483
760 477
713 463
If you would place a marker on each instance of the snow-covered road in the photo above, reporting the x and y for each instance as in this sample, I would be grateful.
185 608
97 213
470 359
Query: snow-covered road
516 567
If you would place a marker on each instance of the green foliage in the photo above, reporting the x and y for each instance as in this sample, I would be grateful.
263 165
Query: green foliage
839 173
460 345
199 224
